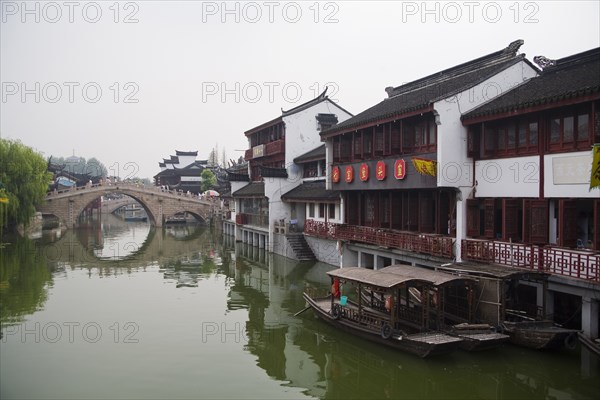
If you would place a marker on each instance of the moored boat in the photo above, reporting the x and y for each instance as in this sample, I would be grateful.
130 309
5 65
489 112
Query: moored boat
452 303
524 323
540 335
384 327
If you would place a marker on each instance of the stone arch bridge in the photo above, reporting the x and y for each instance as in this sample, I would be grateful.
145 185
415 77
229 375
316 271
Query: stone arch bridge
67 205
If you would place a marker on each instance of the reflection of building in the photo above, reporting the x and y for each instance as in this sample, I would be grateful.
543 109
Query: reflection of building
260 217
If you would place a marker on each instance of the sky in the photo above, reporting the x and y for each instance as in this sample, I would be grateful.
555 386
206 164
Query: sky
131 82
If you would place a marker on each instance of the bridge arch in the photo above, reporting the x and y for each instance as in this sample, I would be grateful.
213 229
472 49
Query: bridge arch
68 205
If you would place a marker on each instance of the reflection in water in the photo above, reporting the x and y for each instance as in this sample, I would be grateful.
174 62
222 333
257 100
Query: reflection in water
312 355
182 279
24 280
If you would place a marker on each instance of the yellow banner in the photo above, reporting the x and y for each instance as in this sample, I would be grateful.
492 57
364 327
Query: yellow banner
595 178
424 166
4 200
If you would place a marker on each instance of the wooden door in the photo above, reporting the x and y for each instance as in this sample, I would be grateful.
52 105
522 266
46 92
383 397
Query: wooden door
473 226
510 219
567 222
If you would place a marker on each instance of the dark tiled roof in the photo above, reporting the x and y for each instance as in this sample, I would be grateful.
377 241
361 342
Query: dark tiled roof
269 172
328 119
195 165
306 105
166 172
422 93
308 191
162 165
571 77
253 189
320 98
237 177
313 155
186 153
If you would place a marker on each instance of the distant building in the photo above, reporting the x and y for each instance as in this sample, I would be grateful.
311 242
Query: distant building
181 172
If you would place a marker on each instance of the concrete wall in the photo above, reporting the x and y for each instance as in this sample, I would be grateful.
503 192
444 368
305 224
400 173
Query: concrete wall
508 177
325 250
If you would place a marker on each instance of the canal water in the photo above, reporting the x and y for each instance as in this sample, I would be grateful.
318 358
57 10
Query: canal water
121 310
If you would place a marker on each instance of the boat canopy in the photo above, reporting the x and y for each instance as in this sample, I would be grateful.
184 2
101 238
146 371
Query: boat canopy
436 278
375 278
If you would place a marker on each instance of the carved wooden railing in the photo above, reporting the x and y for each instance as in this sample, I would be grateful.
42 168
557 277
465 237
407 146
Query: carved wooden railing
435 245
574 263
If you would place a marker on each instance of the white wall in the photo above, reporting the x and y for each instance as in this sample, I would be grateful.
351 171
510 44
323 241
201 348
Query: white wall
508 177
568 175
301 134
454 168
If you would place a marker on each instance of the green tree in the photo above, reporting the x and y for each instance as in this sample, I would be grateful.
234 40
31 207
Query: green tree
24 180
208 180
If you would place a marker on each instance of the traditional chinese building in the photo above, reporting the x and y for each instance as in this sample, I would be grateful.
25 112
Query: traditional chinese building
532 206
181 172
261 216
402 165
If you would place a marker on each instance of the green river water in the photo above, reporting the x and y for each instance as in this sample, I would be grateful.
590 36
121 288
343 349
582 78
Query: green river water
122 310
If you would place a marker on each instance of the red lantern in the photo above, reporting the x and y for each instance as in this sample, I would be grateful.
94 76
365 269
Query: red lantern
335 174
399 169
380 171
349 174
364 172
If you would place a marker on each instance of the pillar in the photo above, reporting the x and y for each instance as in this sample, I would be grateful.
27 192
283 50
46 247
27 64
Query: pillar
589 317
261 241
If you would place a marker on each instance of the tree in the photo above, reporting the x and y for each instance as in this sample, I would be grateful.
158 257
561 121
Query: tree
223 158
208 180
24 180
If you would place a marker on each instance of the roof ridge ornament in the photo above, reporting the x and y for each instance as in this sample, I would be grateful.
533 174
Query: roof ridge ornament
513 47
544 62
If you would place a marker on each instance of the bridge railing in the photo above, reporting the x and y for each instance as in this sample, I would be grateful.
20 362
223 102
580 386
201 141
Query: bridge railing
147 189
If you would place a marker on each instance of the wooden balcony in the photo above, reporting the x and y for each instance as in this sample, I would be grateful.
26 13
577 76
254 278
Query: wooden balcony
271 148
573 263
434 245
259 220
275 147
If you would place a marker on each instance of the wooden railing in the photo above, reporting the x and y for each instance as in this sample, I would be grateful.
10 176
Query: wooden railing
435 245
574 263
275 147
252 219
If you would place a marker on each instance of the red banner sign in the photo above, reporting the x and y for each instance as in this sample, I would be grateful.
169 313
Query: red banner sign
349 173
399 169
380 171
335 174
364 172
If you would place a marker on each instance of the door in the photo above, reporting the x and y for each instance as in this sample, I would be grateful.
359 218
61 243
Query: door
567 222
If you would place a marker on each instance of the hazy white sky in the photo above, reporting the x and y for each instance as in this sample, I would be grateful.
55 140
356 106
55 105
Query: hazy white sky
131 82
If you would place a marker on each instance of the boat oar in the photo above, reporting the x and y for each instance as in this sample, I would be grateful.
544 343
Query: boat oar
301 311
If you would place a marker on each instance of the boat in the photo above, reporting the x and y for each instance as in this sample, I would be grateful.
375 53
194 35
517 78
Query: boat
384 327
135 218
452 304
499 306
540 335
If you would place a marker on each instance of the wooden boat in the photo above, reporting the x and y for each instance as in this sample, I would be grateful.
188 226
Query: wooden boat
525 324
375 325
452 303
540 335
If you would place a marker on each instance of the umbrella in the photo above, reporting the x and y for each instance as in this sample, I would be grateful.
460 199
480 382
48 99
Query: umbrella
211 193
